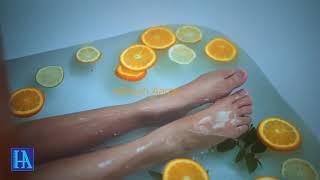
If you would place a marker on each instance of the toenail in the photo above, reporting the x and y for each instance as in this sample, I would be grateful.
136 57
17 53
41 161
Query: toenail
244 92
242 73
241 93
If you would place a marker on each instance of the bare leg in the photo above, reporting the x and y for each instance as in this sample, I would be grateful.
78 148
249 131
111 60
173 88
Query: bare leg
68 134
227 118
7 135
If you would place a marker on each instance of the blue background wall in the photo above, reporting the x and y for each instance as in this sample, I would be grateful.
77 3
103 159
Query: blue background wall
281 36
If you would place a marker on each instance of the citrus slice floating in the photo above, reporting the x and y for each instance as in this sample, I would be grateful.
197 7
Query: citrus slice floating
129 75
266 178
88 55
26 102
279 134
50 76
181 54
138 57
158 37
221 50
184 169
299 169
189 34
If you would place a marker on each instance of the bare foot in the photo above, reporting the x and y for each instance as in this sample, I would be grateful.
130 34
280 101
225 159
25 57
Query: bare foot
228 117
207 88
211 86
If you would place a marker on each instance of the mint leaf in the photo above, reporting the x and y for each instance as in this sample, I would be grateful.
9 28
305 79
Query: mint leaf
246 133
251 162
240 155
251 137
258 147
211 149
259 162
226 145
155 175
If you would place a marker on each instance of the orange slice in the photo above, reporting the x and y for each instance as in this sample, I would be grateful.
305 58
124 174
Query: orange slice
181 169
129 75
220 49
138 57
279 134
266 178
26 102
158 37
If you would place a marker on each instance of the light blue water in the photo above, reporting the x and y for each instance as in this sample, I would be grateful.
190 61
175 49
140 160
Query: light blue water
93 86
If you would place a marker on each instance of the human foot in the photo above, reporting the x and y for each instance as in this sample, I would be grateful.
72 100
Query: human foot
211 86
228 117
207 88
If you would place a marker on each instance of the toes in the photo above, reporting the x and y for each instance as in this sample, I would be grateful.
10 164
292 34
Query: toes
244 101
238 95
245 110
236 79
225 73
242 129
244 121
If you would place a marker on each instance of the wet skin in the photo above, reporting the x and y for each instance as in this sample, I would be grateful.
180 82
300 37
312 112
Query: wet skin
57 138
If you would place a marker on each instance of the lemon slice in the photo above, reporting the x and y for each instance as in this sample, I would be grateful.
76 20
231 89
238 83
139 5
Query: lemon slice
88 55
50 76
181 54
189 34
298 169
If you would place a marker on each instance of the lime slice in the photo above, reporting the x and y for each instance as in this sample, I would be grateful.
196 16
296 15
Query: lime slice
88 54
189 34
50 76
298 169
181 54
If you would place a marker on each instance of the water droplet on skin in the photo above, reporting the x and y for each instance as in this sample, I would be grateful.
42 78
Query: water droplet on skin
206 100
104 163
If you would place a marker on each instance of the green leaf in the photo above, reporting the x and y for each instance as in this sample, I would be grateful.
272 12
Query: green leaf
251 162
259 162
258 147
155 175
251 137
226 145
211 149
246 133
240 155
